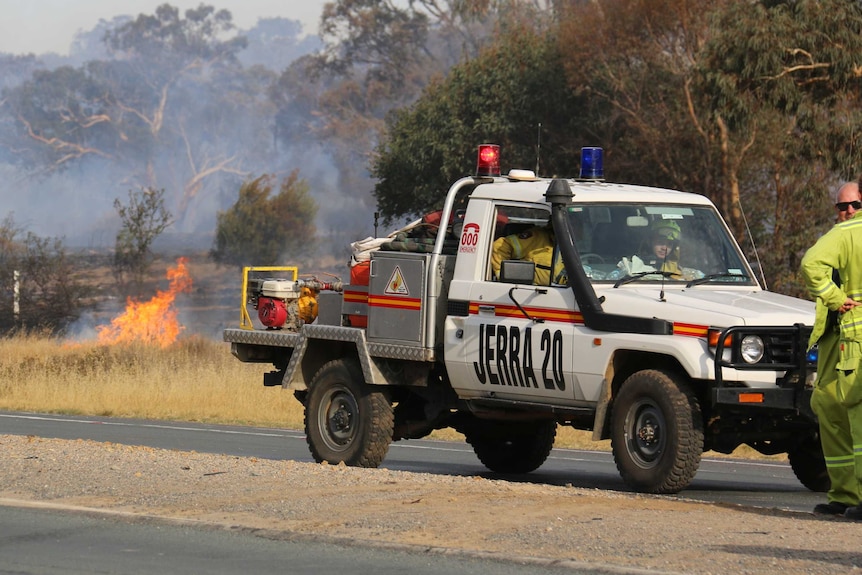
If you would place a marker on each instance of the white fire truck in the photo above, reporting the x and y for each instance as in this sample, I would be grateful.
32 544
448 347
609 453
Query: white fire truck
667 363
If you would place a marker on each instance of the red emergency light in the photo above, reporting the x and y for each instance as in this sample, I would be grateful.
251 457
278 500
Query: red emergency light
489 160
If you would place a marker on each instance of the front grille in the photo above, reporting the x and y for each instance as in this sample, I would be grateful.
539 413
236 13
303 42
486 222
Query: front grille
784 348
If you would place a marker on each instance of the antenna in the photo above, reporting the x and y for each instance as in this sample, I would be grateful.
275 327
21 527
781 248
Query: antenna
538 146
753 246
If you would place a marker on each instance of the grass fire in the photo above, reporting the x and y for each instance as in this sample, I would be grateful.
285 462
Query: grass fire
154 321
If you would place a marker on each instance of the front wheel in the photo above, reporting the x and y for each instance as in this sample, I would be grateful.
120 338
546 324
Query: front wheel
656 432
347 421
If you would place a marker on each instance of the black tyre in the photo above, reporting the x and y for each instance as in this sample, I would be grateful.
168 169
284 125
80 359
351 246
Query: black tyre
346 420
807 462
656 432
512 447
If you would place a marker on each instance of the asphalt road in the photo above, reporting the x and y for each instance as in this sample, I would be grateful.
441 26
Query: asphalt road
741 482
54 543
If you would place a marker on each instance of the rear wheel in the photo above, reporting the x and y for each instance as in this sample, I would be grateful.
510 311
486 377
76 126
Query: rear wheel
807 462
512 447
656 432
347 421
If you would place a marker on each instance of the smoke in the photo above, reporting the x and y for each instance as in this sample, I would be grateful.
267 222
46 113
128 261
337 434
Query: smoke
83 329
76 205
224 135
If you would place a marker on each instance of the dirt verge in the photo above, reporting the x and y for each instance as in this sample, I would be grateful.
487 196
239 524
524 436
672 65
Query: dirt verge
287 499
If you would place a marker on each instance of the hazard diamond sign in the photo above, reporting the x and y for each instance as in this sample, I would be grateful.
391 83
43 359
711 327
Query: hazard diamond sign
396 284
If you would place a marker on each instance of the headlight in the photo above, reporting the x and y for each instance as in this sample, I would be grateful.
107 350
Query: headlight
751 348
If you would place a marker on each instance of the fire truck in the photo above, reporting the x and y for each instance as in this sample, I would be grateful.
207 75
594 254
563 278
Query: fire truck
435 331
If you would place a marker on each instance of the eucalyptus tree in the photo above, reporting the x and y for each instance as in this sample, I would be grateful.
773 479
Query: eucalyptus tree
378 56
171 108
267 225
170 76
633 62
783 81
512 94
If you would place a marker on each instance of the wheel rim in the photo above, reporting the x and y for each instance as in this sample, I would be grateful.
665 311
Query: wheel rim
645 436
337 418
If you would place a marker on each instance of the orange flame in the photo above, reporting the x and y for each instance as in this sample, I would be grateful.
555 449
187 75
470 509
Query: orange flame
153 321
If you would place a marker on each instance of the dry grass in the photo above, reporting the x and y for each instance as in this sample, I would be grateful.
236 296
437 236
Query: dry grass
195 379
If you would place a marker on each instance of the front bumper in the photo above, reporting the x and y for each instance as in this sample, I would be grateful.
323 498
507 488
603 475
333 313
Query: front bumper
786 354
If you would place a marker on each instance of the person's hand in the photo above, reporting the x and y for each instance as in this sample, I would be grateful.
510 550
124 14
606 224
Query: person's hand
847 305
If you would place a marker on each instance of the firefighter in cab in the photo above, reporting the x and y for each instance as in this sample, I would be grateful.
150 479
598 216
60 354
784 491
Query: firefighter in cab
535 244
662 253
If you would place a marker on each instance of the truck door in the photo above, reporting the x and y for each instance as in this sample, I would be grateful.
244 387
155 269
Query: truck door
518 338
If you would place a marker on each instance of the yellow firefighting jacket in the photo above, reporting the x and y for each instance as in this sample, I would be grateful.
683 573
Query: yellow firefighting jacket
536 245
839 249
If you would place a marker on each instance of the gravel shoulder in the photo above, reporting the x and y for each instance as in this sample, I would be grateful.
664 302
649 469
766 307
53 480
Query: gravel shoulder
619 532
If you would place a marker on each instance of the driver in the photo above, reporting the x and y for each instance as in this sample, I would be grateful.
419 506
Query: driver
663 252
660 253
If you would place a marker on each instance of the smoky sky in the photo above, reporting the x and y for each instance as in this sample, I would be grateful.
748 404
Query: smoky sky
77 202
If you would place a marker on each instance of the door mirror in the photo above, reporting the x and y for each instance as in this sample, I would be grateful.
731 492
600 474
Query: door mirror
517 271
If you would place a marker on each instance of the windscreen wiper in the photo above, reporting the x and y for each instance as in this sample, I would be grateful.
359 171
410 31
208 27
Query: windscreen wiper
711 277
634 277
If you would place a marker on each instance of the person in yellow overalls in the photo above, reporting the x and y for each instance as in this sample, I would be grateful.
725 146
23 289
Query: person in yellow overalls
832 416
535 244
837 399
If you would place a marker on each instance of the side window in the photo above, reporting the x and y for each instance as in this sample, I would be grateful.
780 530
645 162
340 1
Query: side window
526 235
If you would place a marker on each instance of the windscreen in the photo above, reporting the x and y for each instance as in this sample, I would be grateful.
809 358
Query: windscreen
676 242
